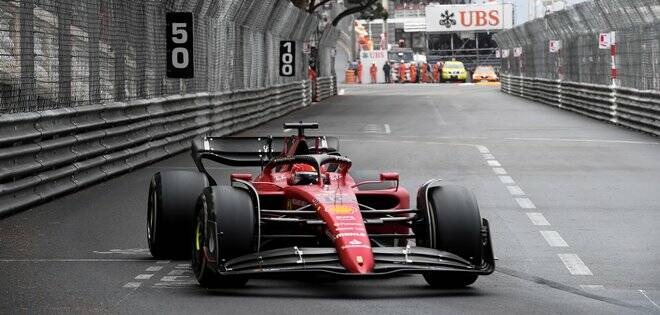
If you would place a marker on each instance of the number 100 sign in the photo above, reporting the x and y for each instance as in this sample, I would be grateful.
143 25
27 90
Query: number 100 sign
287 58
179 35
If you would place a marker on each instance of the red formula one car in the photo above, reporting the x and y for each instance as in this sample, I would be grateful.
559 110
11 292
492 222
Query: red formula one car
304 212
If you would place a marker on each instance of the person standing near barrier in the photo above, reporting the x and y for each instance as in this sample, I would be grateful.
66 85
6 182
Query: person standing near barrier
387 68
358 72
422 72
413 73
436 72
373 70
402 72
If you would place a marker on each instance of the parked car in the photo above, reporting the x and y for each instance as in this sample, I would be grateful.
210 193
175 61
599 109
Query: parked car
454 71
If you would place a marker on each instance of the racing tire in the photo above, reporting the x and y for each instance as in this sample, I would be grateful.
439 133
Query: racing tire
170 212
225 226
453 225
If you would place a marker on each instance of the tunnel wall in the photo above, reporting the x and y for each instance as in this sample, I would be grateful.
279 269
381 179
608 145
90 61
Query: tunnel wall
579 76
84 95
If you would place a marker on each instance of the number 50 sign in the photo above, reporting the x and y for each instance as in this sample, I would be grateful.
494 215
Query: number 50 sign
287 58
179 35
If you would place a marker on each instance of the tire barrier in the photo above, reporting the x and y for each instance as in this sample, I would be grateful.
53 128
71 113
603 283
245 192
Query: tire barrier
325 87
636 109
49 153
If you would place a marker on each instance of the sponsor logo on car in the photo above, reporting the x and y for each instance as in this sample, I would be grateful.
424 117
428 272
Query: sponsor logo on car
342 209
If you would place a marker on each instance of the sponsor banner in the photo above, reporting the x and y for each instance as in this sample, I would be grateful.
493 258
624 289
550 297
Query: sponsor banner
606 40
517 52
554 46
369 57
453 18
505 53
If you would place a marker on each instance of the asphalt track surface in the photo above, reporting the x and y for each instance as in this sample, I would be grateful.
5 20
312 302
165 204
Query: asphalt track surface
573 203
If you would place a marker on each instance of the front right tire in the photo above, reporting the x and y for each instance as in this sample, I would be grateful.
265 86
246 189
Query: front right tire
453 225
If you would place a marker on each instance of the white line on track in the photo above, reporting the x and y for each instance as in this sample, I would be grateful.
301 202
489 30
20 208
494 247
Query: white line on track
648 298
163 262
144 276
154 268
132 285
575 265
178 272
341 92
483 149
525 203
499 170
592 286
554 239
507 180
74 260
488 156
493 163
515 190
387 129
537 218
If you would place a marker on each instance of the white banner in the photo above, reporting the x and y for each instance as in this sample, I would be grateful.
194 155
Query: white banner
369 57
471 17
554 46
505 53
517 51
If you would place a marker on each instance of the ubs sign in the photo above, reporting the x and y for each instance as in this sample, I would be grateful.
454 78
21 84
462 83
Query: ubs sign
452 18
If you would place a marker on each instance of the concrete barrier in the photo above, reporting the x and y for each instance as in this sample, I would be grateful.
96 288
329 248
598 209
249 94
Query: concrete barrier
50 153
636 109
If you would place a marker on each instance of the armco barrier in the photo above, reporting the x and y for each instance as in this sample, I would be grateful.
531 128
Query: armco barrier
325 87
636 109
49 153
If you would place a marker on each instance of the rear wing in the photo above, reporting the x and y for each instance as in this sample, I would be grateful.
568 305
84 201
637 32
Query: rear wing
253 151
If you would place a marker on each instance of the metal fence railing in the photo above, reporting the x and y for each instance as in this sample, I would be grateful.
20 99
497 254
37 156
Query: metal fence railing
69 53
637 27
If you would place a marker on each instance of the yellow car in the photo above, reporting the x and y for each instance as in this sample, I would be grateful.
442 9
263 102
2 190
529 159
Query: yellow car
454 71
484 73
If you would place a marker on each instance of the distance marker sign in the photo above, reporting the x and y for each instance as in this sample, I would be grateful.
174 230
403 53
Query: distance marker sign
287 58
179 35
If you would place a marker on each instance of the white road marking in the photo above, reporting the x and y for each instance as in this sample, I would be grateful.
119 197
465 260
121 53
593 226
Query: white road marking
493 163
483 149
499 170
387 129
537 218
341 92
554 239
163 262
648 298
525 203
575 265
132 285
176 284
154 268
173 278
178 272
515 190
72 260
507 180
488 156
183 266
129 251
592 286
144 276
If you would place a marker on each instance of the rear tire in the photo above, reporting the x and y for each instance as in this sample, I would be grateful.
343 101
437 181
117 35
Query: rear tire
170 212
225 228
454 226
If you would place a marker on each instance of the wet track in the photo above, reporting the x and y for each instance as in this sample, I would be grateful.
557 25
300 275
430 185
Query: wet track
574 205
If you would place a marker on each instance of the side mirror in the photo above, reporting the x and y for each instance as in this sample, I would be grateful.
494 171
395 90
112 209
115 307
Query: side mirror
390 176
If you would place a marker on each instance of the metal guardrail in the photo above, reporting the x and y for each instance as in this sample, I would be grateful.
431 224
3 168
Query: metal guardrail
49 153
325 87
636 109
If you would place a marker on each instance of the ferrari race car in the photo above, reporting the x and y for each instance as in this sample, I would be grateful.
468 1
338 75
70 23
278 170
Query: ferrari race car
307 212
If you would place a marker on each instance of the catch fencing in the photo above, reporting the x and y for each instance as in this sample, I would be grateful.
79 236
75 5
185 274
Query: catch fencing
84 94
579 75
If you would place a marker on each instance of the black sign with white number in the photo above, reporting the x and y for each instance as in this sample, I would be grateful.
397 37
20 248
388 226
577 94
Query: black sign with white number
179 36
287 58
